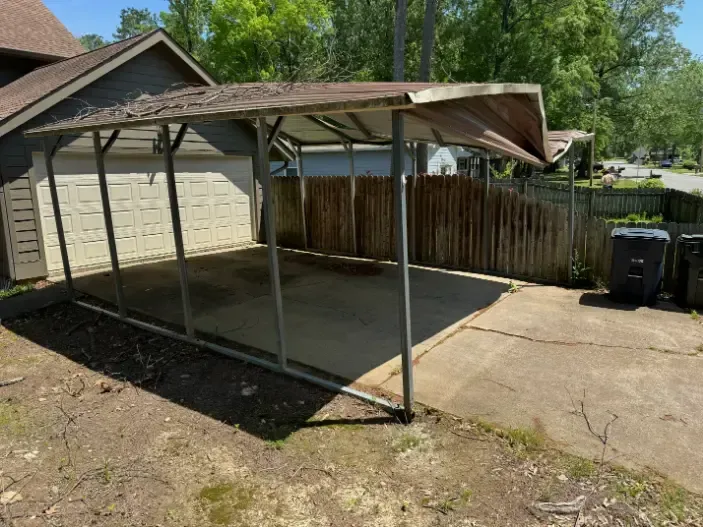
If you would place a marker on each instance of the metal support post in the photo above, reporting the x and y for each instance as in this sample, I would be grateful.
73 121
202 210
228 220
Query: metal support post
109 228
406 346
177 233
57 216
352 192
301 176
572 206
270 225
485 175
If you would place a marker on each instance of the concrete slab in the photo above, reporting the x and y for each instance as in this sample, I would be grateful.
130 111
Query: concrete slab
526 380
341 314
563 315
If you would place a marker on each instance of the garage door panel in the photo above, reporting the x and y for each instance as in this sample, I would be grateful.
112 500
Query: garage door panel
213 203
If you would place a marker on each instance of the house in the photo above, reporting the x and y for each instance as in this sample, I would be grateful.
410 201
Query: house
376 160
45 75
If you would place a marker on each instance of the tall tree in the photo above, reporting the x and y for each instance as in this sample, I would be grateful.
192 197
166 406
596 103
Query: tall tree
92 41
401 14
134 22
268 39
187 21
428 28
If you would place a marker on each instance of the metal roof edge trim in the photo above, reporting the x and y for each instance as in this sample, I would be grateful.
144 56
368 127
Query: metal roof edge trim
445 93
397 102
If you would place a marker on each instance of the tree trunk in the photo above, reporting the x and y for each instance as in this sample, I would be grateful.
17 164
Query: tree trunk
401 8
425 70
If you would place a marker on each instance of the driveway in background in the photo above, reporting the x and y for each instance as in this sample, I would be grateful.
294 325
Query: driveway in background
528 361
673 180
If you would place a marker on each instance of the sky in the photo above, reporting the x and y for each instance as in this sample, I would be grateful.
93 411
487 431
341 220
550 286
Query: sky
102 16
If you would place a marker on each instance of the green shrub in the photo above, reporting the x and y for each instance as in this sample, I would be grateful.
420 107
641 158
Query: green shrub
651 183
16 290
697 192
690 165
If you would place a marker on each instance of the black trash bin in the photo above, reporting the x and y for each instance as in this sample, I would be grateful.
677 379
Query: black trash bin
637 266
689 290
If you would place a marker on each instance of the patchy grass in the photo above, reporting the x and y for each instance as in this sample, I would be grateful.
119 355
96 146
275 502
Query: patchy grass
407 441
12 420
188 450
695 315
16 290
674 501
638 218
579 468
223 502
276 444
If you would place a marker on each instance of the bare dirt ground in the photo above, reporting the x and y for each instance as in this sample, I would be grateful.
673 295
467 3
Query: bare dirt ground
115 426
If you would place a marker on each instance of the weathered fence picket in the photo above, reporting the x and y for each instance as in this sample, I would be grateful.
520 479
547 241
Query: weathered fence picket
528 232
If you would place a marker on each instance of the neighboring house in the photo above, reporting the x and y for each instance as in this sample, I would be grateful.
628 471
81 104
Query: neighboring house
49 77
376 160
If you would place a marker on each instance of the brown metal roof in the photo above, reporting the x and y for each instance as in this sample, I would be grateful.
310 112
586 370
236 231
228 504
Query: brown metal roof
560 141
39 83
28 27
507 118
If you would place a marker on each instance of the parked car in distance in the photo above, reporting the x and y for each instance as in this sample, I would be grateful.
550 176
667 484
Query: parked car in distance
598 165
665 163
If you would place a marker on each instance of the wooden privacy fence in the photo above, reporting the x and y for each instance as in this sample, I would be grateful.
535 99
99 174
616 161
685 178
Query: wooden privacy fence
672 205
523 237
598 248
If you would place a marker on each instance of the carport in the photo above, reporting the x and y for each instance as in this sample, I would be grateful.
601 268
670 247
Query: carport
507 118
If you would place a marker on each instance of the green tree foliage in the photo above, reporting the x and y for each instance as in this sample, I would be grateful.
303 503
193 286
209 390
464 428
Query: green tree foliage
92 41
615 60
187 21
134 22
269 39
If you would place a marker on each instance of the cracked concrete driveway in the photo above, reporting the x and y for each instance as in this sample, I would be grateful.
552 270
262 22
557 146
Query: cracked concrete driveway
527 361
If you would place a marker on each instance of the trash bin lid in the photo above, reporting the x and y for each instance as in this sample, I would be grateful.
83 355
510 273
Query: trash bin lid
629 233
683 238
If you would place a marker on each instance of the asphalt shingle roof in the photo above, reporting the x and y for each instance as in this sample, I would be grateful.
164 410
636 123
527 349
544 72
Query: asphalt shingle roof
28 26
41 82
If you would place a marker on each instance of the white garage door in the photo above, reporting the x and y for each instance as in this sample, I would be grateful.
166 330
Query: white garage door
213 197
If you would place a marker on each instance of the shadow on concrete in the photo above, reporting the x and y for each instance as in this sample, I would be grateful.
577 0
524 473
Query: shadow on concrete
245 397
341 314
603 300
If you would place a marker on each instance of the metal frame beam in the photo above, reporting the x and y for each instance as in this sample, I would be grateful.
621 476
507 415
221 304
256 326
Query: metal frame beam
301 176
55 148
235 354
484 170
107 215
401 229
270 226
438 137
275 130
177 233
352 195
572 207
329 128
110 141
178 140
360 126
49 153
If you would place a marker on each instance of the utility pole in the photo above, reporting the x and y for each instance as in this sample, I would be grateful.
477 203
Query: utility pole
425 69
593 141
401 9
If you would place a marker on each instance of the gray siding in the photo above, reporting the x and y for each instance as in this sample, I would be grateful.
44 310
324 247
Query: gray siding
154 71
377 163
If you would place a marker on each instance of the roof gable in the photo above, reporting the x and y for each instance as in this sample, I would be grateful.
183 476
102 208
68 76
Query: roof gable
42 88
27 27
